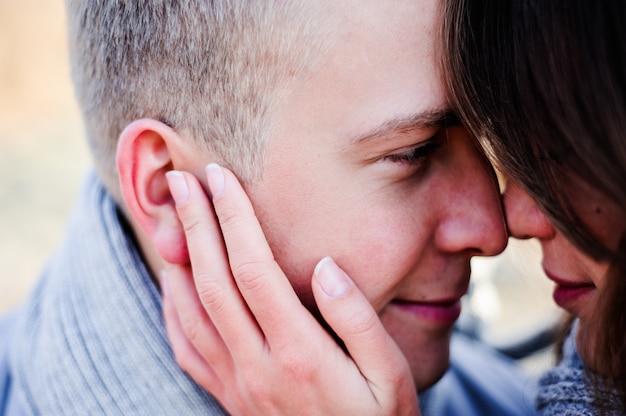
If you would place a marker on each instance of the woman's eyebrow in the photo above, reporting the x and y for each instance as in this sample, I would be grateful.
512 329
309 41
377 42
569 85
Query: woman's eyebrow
418 121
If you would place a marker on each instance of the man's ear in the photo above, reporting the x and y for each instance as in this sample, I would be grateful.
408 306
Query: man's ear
147 149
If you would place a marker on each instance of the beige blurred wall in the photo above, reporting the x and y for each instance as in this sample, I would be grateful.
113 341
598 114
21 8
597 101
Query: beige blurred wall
42 155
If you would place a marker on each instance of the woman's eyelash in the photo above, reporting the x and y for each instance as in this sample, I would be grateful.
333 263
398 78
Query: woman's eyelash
416 155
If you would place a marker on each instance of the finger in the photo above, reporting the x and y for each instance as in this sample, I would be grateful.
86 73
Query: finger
195 325
261 281
354 320
187 356
218 293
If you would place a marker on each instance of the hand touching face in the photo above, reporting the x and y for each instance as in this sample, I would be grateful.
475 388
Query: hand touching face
365 163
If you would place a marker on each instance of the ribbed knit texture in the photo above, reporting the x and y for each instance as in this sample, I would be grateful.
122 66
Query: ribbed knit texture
93 340
567 389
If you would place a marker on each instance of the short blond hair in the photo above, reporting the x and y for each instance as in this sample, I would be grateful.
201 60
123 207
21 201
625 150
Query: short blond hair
209 69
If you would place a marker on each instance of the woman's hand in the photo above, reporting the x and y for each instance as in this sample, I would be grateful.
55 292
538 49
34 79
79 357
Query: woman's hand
238 328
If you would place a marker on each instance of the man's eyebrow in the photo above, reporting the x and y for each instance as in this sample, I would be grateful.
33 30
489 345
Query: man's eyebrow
421 120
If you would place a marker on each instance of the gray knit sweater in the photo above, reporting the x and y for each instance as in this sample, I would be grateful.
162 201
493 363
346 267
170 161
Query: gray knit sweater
92 341
567 389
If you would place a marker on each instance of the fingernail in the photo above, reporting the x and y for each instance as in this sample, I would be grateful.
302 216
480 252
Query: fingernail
331 278
178 186
215 178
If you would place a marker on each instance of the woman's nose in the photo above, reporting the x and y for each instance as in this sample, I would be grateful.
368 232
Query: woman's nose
524 218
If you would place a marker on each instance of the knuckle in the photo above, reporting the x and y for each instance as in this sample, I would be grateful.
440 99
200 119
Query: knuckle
398 373
211 294
191 328
257 389
297 367
228 217
193 225
252 274
362 322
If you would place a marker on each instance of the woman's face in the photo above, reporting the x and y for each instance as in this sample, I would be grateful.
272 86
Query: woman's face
578 278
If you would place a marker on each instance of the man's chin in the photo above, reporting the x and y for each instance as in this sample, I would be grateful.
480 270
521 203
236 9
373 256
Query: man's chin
429 362
425 378
425 346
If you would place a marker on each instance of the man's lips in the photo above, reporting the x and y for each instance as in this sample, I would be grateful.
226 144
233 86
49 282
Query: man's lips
445 311
566 292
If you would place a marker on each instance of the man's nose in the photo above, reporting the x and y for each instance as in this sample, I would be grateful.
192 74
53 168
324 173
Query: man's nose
523 216
474 221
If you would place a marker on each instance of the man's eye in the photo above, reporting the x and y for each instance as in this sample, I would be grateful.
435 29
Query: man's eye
415 155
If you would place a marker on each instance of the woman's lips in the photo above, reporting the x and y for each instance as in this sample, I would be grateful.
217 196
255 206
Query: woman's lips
567 293
444 312
564 296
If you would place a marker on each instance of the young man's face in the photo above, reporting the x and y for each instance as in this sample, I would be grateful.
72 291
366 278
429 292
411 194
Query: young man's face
359 168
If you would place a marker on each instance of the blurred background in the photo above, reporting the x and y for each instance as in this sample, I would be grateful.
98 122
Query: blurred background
43 159
42 154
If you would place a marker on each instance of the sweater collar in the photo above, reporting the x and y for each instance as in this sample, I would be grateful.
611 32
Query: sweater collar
93 339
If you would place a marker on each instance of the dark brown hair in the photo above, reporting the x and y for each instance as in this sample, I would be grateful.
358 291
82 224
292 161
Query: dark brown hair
543 83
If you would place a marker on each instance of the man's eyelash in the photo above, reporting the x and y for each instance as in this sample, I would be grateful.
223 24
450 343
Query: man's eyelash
416 155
